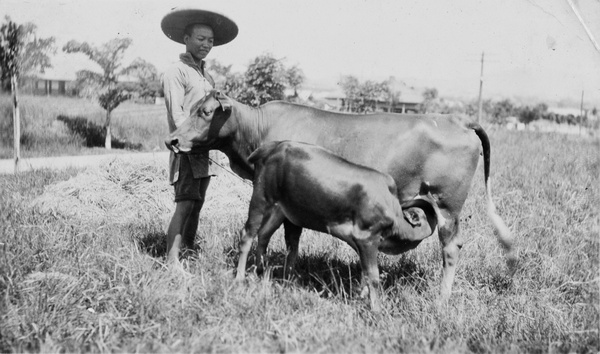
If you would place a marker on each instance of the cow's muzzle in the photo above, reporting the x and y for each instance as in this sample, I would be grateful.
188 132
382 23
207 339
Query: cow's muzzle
173 145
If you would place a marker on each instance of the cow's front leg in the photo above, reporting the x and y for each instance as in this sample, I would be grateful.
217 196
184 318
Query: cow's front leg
292 239
370 271
451 245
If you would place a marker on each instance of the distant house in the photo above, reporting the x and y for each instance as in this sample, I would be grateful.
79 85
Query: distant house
565 111
332 100
51 83
571 115
408 100
59 80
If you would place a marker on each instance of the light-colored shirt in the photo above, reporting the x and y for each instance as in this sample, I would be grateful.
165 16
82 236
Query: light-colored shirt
184 84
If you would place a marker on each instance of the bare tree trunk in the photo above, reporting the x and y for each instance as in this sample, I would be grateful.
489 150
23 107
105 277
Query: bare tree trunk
16 122
107 142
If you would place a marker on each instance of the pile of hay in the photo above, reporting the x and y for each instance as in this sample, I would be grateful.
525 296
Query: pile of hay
125 192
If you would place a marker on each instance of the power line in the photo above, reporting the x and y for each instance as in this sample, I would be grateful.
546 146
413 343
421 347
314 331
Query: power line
480 89
585 27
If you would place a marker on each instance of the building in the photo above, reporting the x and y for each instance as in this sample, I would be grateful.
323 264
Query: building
60 79
408 99
51 83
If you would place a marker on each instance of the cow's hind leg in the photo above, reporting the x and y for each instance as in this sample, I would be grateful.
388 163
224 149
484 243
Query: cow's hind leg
292 239
451 244
271 222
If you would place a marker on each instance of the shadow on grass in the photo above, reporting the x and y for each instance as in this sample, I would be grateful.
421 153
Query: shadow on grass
337 278
328 277
94 134
154 244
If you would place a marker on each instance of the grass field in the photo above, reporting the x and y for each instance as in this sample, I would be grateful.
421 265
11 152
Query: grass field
43 135
82 252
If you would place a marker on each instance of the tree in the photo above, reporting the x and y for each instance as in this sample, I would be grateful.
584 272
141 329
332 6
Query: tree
390 94
527 115
265 81
295 78
109 57
429 100
502 110
351 87
10 49
364 97
541 109
226 80
148 85
33 53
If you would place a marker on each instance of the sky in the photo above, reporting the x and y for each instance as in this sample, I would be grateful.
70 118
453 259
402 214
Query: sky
534 49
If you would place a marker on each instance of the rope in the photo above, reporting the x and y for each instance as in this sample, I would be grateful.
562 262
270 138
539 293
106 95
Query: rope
230 172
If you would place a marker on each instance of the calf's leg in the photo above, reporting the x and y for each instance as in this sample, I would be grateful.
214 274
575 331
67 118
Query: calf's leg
367 251
256 215
272 220
292 239
245 245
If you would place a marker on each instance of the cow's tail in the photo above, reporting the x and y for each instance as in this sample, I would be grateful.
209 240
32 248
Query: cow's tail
503 234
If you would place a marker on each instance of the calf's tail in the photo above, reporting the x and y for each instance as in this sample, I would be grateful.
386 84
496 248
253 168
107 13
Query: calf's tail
503 234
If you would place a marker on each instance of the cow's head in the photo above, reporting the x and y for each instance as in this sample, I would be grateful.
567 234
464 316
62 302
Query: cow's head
423 208
420 219
422 213
205 126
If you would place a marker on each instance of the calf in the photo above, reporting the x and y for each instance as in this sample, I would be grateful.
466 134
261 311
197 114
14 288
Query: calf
306 186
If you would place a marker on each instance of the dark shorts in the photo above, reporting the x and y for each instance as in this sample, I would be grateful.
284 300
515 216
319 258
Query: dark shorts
187 187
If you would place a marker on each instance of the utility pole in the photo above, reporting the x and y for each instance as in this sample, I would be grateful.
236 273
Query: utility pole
581 112
16 121
480 89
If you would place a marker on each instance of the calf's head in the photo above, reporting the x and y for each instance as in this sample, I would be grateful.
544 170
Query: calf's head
205 126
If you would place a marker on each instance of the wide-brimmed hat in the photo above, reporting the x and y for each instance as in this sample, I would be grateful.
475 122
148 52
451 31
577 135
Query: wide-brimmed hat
173 24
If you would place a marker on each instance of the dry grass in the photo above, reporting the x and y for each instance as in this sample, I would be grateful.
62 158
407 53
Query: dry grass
81 268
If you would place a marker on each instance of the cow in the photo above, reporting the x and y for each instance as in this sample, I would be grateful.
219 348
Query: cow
306 186
442 150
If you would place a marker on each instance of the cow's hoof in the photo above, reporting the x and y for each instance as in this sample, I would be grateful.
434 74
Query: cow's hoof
364 292
512 262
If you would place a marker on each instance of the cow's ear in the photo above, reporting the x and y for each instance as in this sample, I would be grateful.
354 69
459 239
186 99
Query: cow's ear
223 100
429 212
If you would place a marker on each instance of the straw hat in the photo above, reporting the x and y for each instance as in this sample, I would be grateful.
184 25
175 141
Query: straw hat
173 24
